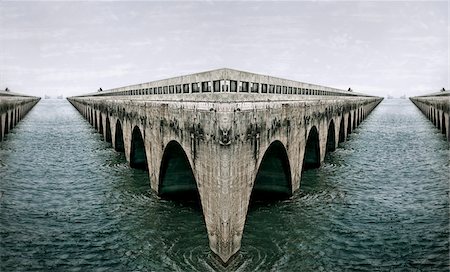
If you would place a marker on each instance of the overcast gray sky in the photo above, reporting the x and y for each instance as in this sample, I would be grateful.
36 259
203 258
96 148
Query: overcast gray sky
69 48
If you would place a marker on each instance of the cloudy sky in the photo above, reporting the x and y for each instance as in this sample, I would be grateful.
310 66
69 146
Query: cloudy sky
378 47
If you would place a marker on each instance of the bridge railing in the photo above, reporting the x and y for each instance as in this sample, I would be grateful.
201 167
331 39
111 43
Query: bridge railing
441 93
11 94
225 81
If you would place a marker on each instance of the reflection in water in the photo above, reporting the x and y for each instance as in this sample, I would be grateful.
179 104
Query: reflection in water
70 202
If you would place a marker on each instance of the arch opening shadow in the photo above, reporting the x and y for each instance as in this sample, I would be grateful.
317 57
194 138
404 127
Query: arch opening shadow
119 145
273 179
349 124
176 179
342 131
331 138
108 131
434 117
311 158
138 158
1 129
443 128
100 123
6 123
95 120
11 120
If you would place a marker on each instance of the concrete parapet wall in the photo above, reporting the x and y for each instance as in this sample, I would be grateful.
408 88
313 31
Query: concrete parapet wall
13 108
436 108
225 143
225 80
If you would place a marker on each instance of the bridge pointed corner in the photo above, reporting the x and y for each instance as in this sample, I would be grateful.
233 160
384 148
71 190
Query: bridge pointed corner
223 245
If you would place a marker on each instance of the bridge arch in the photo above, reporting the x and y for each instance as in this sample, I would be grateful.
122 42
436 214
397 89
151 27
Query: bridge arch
14 117
273 179
342 130
358 118
176 177
138 156
108 137
331 138
118 138
311 158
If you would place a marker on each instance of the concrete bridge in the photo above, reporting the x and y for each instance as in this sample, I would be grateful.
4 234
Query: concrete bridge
436 107
13 107
225 137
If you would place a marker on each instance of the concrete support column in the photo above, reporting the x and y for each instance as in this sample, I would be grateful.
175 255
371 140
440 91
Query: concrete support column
322 129
2 126
225 176
126 128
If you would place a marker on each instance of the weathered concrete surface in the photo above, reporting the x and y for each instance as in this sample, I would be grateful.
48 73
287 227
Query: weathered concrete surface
13 107
436 107
234 144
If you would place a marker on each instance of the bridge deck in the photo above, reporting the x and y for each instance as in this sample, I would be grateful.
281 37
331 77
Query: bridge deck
226 81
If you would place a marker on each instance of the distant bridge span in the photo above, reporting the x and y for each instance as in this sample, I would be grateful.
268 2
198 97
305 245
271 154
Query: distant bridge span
436 107
13 107
226 136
